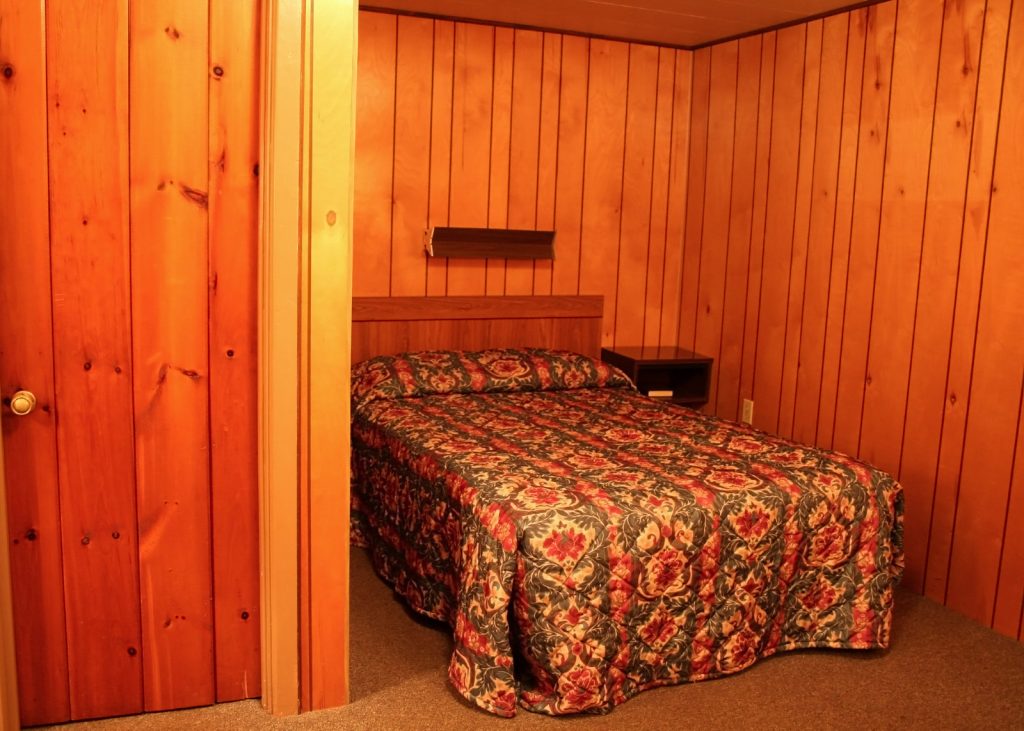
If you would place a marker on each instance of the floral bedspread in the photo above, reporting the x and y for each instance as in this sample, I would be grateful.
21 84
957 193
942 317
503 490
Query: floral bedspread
586 543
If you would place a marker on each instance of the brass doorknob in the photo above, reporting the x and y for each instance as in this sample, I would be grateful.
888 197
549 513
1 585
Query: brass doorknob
23 402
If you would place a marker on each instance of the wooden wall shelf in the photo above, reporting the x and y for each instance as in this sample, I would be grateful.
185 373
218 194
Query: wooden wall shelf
490 243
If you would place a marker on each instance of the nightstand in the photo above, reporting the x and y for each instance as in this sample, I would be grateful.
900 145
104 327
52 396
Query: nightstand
676 375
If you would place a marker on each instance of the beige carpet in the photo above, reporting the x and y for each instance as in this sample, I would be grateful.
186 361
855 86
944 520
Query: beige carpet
942 671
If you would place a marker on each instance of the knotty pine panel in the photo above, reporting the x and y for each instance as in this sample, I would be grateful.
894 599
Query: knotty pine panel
521 194
662 154
170 313
905 194
89 234
375 130
572 126
412 153
828 155
26 362
637 183
547 153
971 255
762 150
809 114
500 150
675 214
717 184
841 231
883 266
234 201
473 125
956 93
783 170
469 191
145 155
864 229
439 182
693 226
740 195
985 564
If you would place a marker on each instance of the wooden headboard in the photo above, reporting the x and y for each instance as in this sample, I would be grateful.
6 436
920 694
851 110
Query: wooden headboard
388 325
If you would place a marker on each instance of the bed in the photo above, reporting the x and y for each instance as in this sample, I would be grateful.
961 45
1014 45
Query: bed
586 543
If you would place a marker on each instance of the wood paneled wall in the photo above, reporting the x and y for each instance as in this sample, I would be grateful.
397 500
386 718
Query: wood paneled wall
473 125
133 512
853 262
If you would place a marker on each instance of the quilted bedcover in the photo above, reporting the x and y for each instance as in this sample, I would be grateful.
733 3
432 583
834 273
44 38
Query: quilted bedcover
586 543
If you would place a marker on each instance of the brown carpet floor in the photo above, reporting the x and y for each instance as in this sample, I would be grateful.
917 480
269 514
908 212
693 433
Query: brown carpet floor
943 671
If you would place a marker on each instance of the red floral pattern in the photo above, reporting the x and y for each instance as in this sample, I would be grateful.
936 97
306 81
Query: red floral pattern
609 542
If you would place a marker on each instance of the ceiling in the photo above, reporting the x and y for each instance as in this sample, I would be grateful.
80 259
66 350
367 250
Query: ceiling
671 22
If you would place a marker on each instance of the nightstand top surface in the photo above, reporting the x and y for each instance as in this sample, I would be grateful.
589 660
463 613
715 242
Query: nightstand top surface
656 354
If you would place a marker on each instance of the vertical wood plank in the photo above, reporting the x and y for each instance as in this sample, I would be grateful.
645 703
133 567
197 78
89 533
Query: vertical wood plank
898 263
973 247
881 22
9 711
471 139
92 352
602 185
412 155
675 224
765 123
572 126
524 151
661 175
990 441
32 508
694 231
441 85
780 214
824 191
375 146
741 201
499 156
842 228
718 182
801 228
169 273
234 190
1009 599
940 256
637 181
547 156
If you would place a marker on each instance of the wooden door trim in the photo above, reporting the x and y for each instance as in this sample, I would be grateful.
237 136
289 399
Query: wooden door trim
8 669
307 123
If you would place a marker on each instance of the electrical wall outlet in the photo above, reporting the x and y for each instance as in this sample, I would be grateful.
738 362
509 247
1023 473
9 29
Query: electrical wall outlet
748 411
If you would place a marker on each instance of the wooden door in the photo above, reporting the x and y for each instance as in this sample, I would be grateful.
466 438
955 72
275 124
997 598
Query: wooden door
128 159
